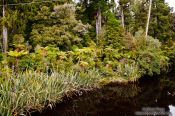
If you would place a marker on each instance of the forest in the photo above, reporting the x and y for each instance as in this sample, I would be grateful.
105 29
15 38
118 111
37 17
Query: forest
53 48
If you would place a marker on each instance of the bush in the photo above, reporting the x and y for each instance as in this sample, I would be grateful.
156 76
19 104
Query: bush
1 57
169 51
147 53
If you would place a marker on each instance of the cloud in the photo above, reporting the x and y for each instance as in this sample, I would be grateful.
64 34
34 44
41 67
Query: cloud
171 3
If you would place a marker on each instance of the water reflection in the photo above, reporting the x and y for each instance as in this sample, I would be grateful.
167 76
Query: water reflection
172 110
119 100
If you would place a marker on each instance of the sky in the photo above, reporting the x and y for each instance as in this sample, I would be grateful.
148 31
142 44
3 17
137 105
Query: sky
171 3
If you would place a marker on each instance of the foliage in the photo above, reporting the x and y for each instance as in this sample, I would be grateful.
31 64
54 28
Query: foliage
33 90
17 54
52 49
160 26
112 32
147 53
1 57
130 72
57 26
135 17
169 51
90 8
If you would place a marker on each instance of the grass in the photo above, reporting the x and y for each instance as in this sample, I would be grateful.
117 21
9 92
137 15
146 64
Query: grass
129 72
31 90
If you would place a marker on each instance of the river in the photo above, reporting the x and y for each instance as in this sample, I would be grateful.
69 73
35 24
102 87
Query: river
150 96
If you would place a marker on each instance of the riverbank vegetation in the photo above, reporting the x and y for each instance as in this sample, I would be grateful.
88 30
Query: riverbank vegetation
56 47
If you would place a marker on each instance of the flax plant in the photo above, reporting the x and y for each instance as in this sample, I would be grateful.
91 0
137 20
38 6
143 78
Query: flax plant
32 90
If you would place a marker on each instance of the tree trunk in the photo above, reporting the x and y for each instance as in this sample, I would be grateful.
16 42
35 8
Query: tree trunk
4 34
122 18
98 23
148 20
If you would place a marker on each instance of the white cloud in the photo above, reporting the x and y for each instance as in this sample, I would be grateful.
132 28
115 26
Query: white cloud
171 3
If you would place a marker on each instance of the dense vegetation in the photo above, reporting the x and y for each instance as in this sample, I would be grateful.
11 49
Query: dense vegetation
60 46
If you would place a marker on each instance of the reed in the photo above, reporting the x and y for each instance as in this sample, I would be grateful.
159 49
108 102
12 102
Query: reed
32 90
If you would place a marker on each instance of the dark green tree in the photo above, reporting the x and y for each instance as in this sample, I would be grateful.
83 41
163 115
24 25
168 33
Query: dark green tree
57 26
94 11
160 22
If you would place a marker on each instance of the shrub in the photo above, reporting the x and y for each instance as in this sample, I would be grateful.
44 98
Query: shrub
147 52
169 51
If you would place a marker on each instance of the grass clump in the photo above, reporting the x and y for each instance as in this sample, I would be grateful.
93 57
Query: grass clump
31 90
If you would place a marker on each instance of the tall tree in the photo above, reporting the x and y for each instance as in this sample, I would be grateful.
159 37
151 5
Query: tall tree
57 26
124 11
4 34
160 22
95 9
139 11
148 20
132 14
19 18
98 22
157 18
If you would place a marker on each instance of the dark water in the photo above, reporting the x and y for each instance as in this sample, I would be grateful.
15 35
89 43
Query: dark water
148 97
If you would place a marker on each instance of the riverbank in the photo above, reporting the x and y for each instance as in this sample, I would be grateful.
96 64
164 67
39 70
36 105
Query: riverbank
43 78
119 100
33 91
